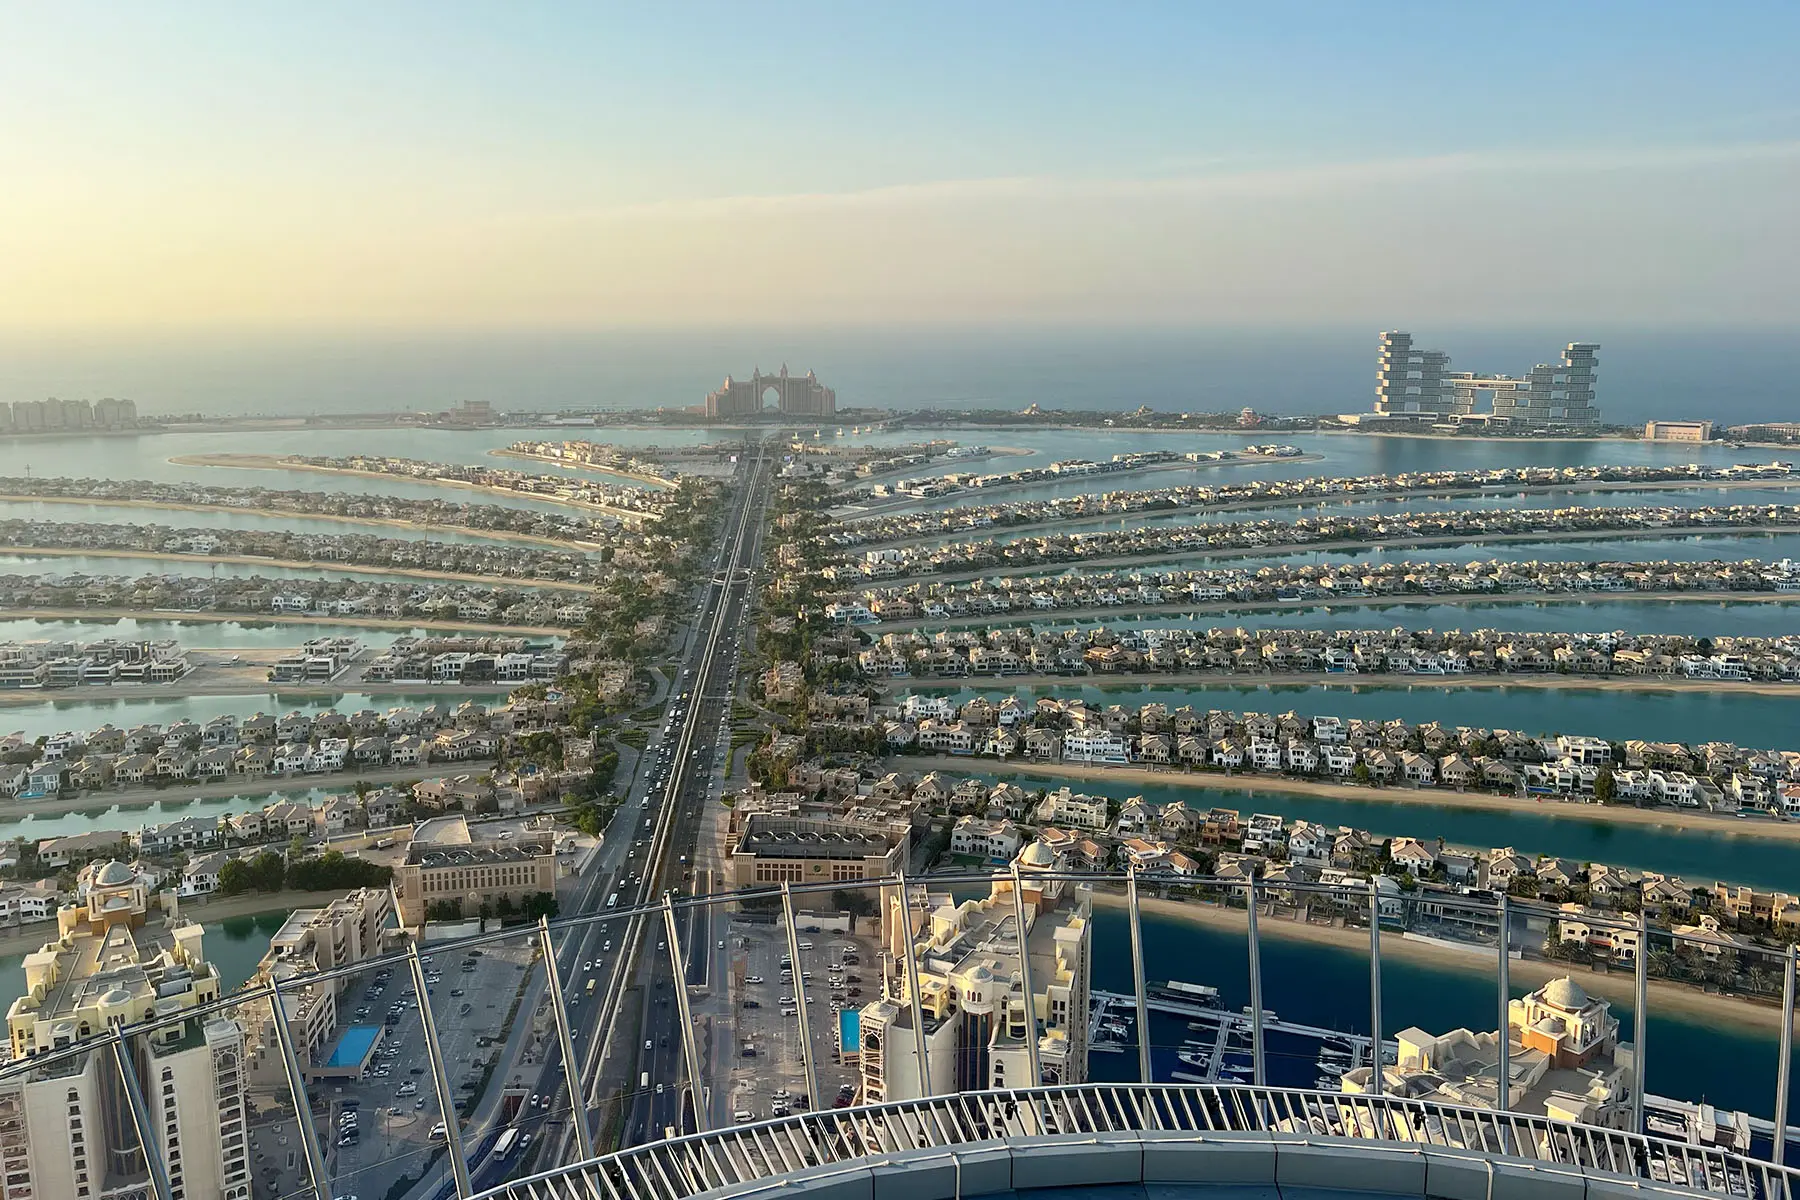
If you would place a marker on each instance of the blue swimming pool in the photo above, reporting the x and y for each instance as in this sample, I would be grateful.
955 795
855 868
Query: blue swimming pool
354 1046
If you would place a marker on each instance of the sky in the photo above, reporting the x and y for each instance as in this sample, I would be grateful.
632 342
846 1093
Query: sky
405 165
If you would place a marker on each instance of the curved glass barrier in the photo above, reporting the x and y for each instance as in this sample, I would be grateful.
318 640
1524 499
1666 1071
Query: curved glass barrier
454 1064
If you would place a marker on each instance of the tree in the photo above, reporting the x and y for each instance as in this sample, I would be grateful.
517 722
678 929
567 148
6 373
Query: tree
1606 789
538 904
857 904
1362 774
235 877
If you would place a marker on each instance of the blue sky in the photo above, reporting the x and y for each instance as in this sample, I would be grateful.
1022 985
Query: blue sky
444 164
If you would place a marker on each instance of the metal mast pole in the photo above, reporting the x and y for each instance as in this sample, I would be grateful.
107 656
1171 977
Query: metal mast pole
1137 975
911 958
806 1051
584 1142
1504 1101
1785 1062
1376 1084
1257 1073
689 1050
1032 1051
459 1161
1640 1022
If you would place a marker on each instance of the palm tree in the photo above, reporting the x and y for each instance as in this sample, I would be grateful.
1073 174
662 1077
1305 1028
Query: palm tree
1661 964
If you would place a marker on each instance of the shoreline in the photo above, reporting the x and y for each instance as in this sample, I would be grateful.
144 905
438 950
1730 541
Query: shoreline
253 560
218 617
1052 616
1617 986
125 693
184 793
275 462
1205 679
659 483
1454 492
843 512
1252 782
202 909
531 539
1555 536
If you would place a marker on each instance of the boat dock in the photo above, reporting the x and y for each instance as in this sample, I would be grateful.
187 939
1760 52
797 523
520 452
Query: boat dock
1219 1046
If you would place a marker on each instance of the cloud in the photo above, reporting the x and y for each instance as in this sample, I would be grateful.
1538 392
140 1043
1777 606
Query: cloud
1225 179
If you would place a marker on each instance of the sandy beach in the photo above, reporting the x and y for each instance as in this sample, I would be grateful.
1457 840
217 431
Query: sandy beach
262 618
1279 785
276 462
528 539
1204 679
1617 986
1271 610
1158 556
879 508
644 477
252 560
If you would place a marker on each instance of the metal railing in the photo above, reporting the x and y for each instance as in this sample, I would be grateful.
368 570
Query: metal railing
908 1135
517 1059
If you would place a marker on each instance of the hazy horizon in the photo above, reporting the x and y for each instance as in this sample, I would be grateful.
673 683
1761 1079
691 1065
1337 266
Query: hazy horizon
1644 373
461 165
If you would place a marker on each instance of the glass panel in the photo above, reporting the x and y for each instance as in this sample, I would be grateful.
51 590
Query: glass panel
277 1157
1715 1006
1112 1026
497 1032
68 1120
587 954
371 1092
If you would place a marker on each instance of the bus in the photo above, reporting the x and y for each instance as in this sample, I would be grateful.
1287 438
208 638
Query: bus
590 986
508 1143
644 1082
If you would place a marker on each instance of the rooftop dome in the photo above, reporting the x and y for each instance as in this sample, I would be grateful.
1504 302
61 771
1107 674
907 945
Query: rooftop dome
113 874
1565 993
1038 855
116 998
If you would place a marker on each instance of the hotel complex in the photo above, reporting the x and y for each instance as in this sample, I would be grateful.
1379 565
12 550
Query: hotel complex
1416 384
795 396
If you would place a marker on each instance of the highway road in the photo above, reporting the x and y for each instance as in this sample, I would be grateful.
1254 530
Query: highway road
649 849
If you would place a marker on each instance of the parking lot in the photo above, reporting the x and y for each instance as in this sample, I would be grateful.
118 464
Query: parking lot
839 964
379 1129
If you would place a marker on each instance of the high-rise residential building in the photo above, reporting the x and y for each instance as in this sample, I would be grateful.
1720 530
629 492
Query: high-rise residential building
972 971
67 1129
1559 393
1411 380
49 416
